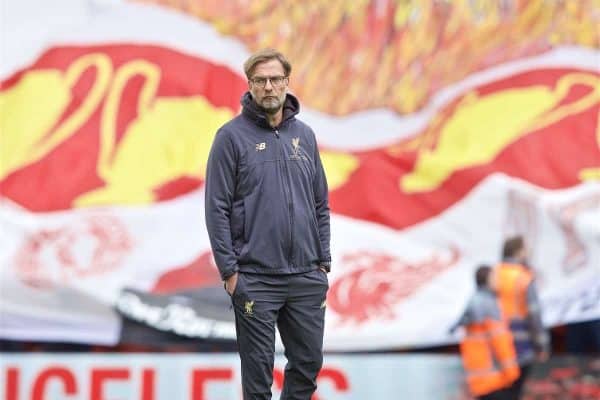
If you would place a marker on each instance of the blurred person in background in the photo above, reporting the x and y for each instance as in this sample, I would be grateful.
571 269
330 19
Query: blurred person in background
267 216
583 337
520 306
487 349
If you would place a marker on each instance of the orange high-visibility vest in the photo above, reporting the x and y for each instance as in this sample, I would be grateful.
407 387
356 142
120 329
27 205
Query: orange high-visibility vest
489 357
512 281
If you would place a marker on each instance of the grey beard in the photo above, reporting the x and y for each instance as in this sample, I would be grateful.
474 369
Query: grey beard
271 110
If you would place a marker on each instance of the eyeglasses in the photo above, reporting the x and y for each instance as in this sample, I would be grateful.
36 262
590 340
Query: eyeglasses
276 81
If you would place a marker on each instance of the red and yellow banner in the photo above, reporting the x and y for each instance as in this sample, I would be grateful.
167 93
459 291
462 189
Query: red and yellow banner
444 128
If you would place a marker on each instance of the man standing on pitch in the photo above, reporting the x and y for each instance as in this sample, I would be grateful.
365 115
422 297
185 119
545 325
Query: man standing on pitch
267 216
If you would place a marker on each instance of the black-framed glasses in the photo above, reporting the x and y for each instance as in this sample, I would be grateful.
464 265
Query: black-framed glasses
276 81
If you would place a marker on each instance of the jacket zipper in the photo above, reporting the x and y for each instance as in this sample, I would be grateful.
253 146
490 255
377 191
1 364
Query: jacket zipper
290 201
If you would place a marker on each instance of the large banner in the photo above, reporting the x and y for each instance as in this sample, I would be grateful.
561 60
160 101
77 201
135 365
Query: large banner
444 127
208 376
217 376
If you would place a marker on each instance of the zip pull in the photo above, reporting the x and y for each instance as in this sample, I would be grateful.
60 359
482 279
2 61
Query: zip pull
276 133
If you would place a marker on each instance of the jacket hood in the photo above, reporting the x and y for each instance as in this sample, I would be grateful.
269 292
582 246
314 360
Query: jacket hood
291 107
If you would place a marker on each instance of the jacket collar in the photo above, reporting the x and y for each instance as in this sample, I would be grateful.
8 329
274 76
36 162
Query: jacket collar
291 107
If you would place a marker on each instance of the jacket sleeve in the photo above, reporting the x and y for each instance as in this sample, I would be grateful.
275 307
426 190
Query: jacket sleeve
464 320
219 191
321 196
537 331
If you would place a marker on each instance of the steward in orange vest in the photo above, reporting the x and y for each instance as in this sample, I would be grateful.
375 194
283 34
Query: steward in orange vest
520 307
487 348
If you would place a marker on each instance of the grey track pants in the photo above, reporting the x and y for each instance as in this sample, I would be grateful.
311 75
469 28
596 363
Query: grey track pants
296 304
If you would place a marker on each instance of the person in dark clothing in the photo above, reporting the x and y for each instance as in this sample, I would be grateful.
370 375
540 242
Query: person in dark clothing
267 216
583 337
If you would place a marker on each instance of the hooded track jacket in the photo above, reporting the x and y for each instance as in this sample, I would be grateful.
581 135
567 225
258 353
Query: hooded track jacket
266 203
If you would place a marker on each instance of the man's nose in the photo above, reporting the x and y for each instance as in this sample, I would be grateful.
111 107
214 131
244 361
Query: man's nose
268 85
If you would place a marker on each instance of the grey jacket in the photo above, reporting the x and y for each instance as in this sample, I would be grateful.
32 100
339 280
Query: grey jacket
267 208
